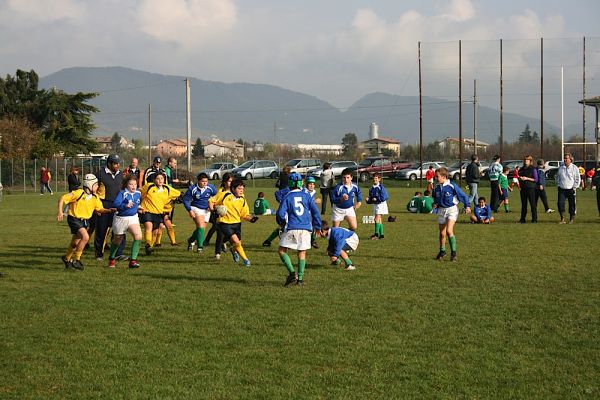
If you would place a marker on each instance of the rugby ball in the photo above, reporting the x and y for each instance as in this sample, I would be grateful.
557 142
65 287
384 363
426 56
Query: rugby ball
221 210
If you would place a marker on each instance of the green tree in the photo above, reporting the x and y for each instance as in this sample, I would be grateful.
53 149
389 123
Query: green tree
115 142
349 143
526 136
198 149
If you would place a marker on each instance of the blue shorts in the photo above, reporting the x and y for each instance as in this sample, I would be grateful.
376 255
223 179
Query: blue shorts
504 194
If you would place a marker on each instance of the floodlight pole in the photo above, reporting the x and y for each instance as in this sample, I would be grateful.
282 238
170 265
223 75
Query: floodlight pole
460 137
420 120
188 119
149 134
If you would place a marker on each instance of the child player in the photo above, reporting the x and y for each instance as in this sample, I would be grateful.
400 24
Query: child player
341 241
299 215
230 218
279 196
346 198
126 219
378 196
262 206
504 188
413 204
482 213
195 201
155 195
426 203
311 183
82 205
446 196
429 176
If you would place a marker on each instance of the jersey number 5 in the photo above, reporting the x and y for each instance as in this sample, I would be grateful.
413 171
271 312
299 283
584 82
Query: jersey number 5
298 206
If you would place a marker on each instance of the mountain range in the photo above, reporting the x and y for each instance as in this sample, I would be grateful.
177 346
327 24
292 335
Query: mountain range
266 113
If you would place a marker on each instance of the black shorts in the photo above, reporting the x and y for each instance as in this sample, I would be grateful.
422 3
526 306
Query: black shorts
229 230
156 219
213 217
77 223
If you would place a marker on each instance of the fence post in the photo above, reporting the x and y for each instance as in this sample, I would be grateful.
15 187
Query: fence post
56 180
24 178
65 172
34 175
12 172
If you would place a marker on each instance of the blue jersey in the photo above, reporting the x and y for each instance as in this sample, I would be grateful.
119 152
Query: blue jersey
280 194
353 192
483 213
338 238
122 200
298 211
449 194
198 197
377 194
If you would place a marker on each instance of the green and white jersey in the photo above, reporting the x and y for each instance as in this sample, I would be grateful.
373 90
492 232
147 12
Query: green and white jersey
426 205
503 181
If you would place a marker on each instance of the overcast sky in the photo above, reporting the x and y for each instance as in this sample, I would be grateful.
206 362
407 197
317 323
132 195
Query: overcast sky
337 50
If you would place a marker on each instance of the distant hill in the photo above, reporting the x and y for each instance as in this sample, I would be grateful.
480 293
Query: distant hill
266 113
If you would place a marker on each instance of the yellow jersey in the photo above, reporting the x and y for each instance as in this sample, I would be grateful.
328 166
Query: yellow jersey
237 208
82 205
154 200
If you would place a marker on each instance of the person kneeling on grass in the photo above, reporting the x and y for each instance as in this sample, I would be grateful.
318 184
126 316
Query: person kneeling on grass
446 196
195 201
341 241
299 215
155 195
126 219
232 209
82 205
482 213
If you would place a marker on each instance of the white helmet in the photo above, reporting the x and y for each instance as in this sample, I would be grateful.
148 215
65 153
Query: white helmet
88 182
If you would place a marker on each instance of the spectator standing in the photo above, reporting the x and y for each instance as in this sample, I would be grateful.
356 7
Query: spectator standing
528 178
110 183
567 181
494 172
596 183
429 176
150 172
540 190
327 182
45 178
282 181
473 175
133 170
73 179
589 177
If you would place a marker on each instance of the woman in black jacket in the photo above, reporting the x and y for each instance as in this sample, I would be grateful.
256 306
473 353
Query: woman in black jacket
73 179
528 177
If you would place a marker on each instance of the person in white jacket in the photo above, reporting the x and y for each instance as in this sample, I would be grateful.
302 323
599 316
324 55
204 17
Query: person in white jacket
567 181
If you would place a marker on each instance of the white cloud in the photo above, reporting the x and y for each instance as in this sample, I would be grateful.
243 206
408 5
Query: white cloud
42 10
186 22
458 10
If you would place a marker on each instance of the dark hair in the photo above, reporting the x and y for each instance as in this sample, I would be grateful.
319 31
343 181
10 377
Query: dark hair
226 177
236 183
160 173
326 166
347 171
496 157
324 226
481 198
417 193
377 174
129 178
427 193
261 195
474 157
505 169
202 175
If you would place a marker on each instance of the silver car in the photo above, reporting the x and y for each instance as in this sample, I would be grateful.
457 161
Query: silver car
218 169
414 171
257 169
337 167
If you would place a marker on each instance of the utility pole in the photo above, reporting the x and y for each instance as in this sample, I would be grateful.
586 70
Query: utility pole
475 116
188 119
149 133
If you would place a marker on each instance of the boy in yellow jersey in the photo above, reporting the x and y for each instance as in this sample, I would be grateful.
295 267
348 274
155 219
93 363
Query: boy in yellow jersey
82 205
155 196
232 209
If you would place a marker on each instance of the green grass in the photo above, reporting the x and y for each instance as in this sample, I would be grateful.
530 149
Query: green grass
517 317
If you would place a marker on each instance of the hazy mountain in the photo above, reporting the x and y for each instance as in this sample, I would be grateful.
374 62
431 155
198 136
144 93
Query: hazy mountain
257 112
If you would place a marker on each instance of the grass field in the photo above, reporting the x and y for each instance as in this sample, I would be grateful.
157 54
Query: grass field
517 317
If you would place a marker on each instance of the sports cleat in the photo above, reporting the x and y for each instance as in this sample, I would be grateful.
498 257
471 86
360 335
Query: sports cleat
562 221
266 243
78 265
291 278
236 256
336 262
191 244
122 257
571 221
224 248
300 283
217 256
440 255
99 259
200 249
134 264
381 237
374 237
175 244
453 257
246 263
350 267
158 245
549 211
314 244
112 263
68 263
205 243
149 250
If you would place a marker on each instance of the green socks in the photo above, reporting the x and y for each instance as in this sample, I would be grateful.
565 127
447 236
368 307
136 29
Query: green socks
452 240
506 207
273 235
348 261
379 229
199 236
301 266
135 249
113 250
287 262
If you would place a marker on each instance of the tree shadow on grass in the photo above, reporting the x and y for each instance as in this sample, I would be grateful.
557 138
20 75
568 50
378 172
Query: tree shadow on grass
174 277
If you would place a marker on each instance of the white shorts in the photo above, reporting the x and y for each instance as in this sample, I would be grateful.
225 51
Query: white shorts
268 211
352 241
200 211
380 209
121 224
339 214
430 180
515 180
295 239
446 214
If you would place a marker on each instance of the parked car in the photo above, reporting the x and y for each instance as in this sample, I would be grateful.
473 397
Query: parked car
413 172
303 166
383 165
453 169
218 169
551 174
257 169
337 167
